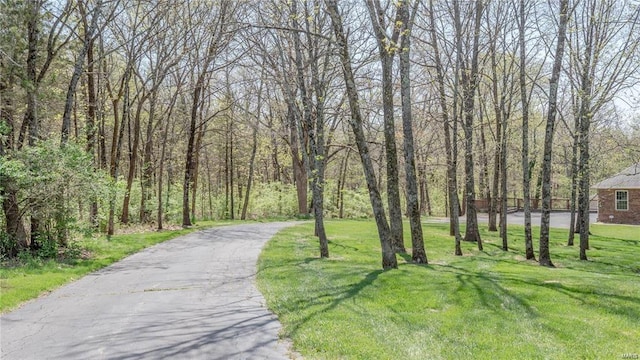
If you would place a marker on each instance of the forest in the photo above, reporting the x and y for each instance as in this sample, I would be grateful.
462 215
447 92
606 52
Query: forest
116 113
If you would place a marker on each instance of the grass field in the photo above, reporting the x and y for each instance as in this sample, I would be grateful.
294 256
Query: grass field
483 305
29 278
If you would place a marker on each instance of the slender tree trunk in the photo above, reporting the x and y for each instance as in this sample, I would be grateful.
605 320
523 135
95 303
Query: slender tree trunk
503 184
470 82
299 171
79 67
418 253
195 174
315 131
231 173
133 160
319 165
386 49
191 150
341 183
275 163
14 225
545 256
254 150
91 125
526 167
449 147
574 185
425 199
147 165
583 166
31 120
389 260
493 201
100 94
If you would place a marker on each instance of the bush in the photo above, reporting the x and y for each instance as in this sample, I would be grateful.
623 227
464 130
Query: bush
51 182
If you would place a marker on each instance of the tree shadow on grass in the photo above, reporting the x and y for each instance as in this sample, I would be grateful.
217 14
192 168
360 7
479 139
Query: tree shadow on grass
336 244
490 292
339 295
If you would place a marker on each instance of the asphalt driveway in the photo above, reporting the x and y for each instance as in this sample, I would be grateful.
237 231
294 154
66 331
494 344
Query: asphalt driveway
556 219
193 297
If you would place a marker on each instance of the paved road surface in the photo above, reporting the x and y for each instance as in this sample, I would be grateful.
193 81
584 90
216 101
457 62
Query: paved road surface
189 298
556 220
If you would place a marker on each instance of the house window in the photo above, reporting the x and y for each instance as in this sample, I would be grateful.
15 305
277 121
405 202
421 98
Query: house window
622 200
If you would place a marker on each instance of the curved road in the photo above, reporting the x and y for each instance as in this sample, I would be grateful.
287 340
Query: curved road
192 297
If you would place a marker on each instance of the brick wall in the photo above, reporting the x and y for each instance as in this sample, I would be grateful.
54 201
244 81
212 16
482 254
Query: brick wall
607 207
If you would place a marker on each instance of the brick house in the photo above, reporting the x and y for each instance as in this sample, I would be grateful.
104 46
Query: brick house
619 197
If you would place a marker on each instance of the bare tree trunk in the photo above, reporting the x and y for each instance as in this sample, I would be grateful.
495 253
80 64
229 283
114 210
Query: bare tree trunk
31 115
116 146
503 184
389 260
418 253
470 82
254 150
133 160
299 170
274 156
545 257
231 173
425 199
147 165
574 185
91 125
526 167
386 49
493 202
196 169
342 179
79 66
449 147
189 163
316 131
583 166
9 193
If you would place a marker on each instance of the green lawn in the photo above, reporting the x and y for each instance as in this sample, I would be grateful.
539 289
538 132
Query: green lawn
488 305
32 277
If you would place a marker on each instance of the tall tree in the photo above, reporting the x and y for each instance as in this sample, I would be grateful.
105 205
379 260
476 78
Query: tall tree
9 67
78 68
603 54
219 29
387 48
526 167
545 256
319 57
418 253
469 77
389 260
452 195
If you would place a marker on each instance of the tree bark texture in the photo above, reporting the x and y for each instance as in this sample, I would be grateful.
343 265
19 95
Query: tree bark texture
418 253
469 79
545 256
389 260
526 167
387 48
451 159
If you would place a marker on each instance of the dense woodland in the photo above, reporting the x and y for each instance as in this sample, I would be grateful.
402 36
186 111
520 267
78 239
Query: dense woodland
116 112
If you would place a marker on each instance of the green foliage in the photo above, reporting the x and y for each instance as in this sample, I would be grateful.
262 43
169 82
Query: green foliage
484 305
7 245
51 181
273 199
